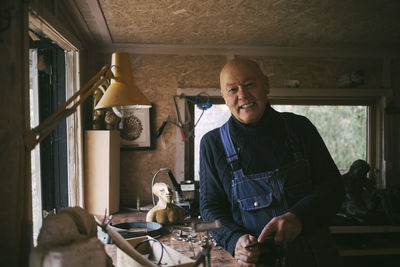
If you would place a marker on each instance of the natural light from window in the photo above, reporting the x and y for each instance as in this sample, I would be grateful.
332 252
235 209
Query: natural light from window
35 153
343 128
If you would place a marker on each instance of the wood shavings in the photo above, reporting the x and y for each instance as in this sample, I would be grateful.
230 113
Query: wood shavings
180 11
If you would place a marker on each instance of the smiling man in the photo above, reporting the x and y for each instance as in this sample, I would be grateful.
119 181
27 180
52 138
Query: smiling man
267 175
244 89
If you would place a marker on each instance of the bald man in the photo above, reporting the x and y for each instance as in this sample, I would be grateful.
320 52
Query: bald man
268 175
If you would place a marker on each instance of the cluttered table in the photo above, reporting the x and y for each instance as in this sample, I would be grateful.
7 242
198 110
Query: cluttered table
184 240
181 238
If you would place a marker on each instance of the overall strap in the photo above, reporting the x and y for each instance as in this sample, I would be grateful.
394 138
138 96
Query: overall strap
293 142
230 151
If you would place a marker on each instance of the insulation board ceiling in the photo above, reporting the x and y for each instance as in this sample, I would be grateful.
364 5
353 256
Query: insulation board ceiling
275 23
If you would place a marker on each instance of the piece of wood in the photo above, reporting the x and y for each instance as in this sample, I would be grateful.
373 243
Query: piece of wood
219 256
102 171
169 257
127 248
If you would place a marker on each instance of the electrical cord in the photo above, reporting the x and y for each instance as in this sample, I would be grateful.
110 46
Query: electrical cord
152 182
201 115
155 240
175 184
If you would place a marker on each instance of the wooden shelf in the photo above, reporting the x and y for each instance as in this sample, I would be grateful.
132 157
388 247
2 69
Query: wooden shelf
345 233
102 171
367 252
364 229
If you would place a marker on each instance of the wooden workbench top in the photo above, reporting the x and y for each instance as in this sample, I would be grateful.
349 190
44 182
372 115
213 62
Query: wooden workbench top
178 237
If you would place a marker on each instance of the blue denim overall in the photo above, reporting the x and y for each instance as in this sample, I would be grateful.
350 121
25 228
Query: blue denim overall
257 198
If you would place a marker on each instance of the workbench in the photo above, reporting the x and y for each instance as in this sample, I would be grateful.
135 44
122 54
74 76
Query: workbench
352 255
174 237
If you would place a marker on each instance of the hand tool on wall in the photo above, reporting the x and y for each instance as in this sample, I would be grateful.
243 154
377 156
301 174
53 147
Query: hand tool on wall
180 123
197 100
161 129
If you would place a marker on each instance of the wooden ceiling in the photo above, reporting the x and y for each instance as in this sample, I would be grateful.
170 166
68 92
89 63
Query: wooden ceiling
322 24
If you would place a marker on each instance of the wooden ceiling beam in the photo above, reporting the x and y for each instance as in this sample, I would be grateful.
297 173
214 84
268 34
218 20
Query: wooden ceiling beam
92 13
250 51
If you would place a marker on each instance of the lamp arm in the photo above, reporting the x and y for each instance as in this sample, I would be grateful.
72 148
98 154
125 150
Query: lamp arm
34 136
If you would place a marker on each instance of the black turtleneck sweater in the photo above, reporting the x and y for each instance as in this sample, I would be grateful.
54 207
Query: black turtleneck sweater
261 147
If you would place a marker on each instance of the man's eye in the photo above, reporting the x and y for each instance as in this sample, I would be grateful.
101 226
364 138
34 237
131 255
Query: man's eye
232 90
249 84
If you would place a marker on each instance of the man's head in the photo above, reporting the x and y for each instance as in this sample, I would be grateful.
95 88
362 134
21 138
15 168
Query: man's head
244 88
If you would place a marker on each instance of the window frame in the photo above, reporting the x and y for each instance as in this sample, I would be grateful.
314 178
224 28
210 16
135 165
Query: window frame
375 99
53 149
50 28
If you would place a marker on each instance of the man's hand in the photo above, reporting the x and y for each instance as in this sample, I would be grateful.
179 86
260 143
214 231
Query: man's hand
285 227
247 257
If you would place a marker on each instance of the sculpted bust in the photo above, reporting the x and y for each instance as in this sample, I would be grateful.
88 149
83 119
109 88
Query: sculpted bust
164 212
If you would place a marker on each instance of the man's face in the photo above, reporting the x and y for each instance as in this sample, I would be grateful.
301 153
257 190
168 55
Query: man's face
244 89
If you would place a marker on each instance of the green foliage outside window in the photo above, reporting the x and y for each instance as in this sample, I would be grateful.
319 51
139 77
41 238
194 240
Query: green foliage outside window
343 129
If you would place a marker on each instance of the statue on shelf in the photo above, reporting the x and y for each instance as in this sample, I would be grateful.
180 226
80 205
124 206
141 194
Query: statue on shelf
111 120
98 115
164 212
364 203
359 190
103 120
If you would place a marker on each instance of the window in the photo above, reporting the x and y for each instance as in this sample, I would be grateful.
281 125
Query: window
212 118
35 153
349 122
56 164
48 92
343 128
51 93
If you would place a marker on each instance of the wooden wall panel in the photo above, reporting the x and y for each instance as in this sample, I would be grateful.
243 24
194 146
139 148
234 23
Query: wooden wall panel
159 76
318 72
15 191
393 120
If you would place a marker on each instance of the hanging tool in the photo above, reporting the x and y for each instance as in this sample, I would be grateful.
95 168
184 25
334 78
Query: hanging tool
161 129
196 100
179 123
178 114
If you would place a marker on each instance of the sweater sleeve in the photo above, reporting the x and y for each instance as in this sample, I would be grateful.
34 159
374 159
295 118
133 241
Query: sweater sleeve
214 201
327 195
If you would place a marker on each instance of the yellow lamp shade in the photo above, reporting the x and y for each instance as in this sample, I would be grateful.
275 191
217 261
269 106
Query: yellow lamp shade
122 90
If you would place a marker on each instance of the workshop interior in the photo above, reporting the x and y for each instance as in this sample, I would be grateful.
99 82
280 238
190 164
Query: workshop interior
105 104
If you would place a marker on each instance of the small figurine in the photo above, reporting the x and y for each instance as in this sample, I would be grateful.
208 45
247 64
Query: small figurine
98 115
102 119
111 120
164 212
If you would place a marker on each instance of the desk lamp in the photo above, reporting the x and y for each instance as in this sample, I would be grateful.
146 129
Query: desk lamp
122 92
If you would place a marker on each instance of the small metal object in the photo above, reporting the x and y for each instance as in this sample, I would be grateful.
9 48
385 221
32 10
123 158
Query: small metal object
268 243
256 204
142 229
206 226
138 203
